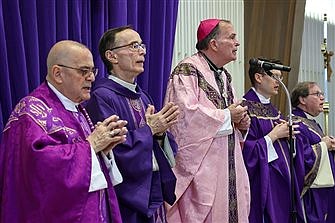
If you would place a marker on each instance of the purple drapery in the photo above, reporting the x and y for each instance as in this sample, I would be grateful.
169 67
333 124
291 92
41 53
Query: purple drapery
28 29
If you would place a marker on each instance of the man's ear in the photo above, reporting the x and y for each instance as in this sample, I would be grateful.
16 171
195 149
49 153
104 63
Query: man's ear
110 56
213 44
56 74
258 77
302 100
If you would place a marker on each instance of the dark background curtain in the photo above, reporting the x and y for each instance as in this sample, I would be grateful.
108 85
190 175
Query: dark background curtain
28 29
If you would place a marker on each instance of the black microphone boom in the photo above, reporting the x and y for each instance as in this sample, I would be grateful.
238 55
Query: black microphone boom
269 66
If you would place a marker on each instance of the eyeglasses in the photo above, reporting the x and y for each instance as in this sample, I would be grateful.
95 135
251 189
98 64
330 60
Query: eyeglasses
134 46
318 94
85 72
274 76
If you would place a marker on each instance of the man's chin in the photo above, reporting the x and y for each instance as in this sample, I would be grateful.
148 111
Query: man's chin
139 71
85 98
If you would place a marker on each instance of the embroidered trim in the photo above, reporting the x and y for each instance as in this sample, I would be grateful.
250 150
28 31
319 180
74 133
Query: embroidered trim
40 113
232 193
310 177
188 69
137 109
259 110
310 124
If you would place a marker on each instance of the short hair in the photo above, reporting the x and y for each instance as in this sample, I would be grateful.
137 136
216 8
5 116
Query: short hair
254 68
107 42
301 90
203 44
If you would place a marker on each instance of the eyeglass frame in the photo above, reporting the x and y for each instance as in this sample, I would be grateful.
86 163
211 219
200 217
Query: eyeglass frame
276 77
132 48
85 72
318 94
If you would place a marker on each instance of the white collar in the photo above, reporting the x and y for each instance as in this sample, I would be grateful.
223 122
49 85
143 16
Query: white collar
125 84
67 103
311 117
263 99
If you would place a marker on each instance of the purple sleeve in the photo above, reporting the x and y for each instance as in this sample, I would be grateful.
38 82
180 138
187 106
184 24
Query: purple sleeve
307 158
133 157
42 170
266 179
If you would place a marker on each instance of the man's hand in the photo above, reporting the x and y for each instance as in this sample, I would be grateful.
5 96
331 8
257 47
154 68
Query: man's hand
237 112
281 130
244 124
108 134
159 122
330 142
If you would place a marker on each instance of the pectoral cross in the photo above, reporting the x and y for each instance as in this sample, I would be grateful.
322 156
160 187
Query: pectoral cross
221 86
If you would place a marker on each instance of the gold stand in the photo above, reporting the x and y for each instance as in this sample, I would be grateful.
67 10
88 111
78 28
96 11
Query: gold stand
326 113
327 72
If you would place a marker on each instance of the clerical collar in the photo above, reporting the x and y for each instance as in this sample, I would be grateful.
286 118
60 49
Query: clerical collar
212 66
131 87
311 117
263 99
67 103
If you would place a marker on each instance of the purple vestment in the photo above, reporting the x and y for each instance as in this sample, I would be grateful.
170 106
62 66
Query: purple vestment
318 202
269 181
143 190
45 164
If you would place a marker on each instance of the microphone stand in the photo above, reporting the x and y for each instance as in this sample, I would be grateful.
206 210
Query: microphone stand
293 211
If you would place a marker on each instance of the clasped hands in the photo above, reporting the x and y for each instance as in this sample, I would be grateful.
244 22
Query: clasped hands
159 122
108 134
330 142
239 116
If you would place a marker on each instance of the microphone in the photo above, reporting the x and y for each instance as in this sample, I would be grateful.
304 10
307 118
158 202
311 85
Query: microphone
268 65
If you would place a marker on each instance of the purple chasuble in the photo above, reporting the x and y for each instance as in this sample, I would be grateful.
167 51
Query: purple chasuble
45 163
142 192
269 182
318 202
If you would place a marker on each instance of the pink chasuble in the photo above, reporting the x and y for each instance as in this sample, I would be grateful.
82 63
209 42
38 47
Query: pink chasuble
212 182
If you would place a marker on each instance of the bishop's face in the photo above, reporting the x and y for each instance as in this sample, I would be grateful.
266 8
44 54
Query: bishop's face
227 44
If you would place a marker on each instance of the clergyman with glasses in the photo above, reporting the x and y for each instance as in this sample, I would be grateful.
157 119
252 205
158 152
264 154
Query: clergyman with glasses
54 164
266 150
146 157
318 188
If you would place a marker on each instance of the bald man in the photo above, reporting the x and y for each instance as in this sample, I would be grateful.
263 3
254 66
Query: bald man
54 166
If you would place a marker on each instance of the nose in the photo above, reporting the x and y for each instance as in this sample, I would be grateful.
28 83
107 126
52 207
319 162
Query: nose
91 77
142 51
237 43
